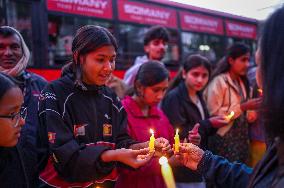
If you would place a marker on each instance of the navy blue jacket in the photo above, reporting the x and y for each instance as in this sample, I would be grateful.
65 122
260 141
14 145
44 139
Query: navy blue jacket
31 85
221 172
77 125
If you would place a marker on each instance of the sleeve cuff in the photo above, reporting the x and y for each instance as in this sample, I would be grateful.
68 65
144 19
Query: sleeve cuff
203 165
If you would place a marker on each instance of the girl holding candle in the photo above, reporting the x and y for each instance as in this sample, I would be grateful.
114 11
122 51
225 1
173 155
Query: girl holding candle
269 172
83 124
185 108
143 113
229 91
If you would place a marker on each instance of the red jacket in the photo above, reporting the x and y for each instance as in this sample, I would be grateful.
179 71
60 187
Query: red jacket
138 128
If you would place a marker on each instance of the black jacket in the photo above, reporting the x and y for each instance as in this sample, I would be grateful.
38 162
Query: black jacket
12 169
184 114
77 126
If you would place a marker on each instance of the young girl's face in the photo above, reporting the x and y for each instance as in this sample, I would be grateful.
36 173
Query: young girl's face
152 95
196 78
240 65
10 105
98 65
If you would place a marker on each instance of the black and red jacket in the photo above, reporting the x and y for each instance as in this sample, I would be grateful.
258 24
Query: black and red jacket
76 126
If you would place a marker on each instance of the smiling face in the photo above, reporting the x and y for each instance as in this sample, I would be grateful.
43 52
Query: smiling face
10 51
98 65
10 104
196 78
152 95
240 65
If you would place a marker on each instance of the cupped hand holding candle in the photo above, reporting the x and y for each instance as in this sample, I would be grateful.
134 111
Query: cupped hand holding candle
162 147
218 121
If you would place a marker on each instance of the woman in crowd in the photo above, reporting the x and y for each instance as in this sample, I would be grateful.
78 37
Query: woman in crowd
269 171
185 107
12 167
83 123
143 114
228 92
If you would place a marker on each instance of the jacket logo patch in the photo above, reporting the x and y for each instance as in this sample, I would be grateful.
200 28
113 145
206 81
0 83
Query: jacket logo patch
107 129
51 137
36 93
79 130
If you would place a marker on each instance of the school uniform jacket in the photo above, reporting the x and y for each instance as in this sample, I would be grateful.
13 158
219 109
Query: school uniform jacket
76 127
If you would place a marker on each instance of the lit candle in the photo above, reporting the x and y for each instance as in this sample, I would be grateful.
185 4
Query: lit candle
167 172
152 141
177 141
260 92
230 116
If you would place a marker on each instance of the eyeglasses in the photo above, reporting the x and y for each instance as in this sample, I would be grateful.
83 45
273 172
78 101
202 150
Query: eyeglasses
16 117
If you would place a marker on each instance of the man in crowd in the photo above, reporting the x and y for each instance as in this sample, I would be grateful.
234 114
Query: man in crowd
14 58
155 43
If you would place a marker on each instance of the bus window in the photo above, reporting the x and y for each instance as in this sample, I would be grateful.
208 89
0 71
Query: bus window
61 31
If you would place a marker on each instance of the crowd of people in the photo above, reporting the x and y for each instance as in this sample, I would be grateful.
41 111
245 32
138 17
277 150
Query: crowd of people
91 129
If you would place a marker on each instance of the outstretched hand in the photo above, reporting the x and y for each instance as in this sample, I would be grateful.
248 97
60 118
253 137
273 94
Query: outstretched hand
189 155
252 104
133 158
218 121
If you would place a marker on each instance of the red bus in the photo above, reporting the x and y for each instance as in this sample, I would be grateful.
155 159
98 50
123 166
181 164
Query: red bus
48 27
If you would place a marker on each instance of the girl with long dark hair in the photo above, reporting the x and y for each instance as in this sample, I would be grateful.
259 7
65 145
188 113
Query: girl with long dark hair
228 92
83 124
185 107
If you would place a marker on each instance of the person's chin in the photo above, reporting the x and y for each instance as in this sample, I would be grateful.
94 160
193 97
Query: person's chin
198 88
12 143
8 66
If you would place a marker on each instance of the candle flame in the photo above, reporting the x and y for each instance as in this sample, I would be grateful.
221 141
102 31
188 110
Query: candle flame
232 113
229 117
177 131
163 160
151 131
